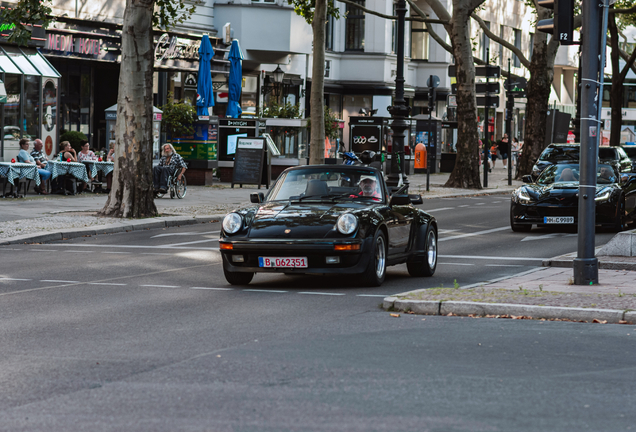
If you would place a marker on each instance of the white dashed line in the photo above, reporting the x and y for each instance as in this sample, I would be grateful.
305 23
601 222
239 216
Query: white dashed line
322 293
161 286
14 279
116 252
59 281
464 264
465 205
439 209
213 289
106 283
474 233
263 290
495 258
480 203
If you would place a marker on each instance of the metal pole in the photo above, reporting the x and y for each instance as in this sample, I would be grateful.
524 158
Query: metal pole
429 137
399 111
509 107
486 122
602 66
585 265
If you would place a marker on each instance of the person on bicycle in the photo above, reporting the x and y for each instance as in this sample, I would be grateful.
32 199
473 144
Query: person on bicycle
169 164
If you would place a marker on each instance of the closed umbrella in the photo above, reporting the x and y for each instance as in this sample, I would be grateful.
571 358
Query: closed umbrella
236 79
205 94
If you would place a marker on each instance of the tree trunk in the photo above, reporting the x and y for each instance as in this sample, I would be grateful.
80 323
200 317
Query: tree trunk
317 101
466 171
131 195
538 91
616 92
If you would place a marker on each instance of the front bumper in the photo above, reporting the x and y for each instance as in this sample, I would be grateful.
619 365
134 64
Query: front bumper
534 213
316 251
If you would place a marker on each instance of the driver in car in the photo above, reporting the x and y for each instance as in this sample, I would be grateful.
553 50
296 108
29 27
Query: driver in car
368 186
606 174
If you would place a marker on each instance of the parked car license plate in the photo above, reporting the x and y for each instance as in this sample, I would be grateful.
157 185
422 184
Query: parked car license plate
558 220
282 262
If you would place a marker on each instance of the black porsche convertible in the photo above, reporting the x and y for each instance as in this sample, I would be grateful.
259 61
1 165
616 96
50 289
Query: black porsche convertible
554 198
322 219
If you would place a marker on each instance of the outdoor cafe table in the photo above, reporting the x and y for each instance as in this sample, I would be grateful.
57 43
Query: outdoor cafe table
14 171
96 166
76 169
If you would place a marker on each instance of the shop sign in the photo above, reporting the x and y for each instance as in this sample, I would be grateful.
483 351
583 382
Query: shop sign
173 48
71 44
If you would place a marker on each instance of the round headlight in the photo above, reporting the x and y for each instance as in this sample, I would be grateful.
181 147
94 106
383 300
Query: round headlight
232 223
347 223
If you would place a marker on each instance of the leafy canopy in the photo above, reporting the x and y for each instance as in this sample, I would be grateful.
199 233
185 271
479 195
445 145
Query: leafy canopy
305 8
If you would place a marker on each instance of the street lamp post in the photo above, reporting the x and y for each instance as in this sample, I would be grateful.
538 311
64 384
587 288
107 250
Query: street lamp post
399 111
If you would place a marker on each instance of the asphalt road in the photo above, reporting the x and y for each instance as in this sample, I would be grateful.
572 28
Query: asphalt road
139 331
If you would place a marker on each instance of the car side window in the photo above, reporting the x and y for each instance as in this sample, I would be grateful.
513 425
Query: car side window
622 153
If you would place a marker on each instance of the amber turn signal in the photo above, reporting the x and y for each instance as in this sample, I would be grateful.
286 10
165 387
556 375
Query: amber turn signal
227 246
346 247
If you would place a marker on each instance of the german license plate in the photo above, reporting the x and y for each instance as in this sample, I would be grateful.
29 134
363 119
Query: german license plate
282 262
558 220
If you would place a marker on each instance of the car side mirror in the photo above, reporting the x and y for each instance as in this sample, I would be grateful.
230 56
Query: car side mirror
257 198
526 178
416 199
399 200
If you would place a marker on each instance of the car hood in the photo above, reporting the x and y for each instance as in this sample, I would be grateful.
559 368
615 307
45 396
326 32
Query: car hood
298 220
556 190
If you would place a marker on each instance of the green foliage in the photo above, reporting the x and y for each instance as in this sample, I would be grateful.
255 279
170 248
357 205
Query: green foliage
305 8
178 118
75 138
331 124
23 15
625 20
273 110
169 13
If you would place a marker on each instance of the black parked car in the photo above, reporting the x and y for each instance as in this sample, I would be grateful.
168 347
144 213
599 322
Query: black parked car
631 153
329 219
616 157
554 198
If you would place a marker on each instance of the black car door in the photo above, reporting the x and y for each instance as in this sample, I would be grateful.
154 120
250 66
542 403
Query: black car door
399 224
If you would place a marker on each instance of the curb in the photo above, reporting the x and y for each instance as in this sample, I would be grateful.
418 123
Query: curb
129 225
605 265
459 308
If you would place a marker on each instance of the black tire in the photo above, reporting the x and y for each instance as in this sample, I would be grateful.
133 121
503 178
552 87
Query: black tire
426 265
619 221
518 227
236 278
375 273
181 188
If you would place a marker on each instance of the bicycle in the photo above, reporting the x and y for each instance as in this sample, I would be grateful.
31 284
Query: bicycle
175 187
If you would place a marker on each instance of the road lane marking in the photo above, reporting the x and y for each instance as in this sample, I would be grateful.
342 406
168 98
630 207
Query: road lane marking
213 289
480 204
322 293
59 281
465 264
117 252
496 202
14 279
193 242
106 283
161 286
439 209
264 290
465 205
130 247
185 234
76 252
474 234
503 265
491 258
41 250
156 253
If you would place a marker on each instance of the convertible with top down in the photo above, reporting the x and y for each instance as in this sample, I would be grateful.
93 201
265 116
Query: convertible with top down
326 219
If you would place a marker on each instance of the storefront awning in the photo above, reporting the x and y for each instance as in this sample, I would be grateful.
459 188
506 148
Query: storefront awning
25 61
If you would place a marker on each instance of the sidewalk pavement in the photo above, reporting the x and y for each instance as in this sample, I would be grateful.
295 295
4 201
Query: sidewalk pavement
541 293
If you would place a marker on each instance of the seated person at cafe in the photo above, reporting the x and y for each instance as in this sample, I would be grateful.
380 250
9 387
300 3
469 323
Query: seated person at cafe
169 163
25 157
68 152
86 155
41 160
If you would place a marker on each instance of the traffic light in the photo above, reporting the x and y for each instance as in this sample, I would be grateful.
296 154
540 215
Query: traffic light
562 25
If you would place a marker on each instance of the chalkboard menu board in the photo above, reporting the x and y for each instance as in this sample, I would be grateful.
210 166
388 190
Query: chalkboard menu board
250 163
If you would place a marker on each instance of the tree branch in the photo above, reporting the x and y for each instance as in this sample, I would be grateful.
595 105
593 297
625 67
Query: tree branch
423 19
629 63
438 9
623 11
522 58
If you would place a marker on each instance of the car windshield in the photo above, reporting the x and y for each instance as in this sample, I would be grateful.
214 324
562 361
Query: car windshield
607 153
631 151
569 173
311 184
562 153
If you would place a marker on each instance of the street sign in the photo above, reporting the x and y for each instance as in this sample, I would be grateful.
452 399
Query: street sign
516 94
432 81
481 88
517 82
490 71
494 102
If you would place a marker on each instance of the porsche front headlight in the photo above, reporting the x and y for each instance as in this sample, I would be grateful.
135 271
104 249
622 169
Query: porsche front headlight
603 195
347 223
523 195
232 223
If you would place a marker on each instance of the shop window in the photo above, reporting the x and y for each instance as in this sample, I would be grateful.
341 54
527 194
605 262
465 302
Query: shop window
354 33
516 62
419 41
249 95
329 33
31 126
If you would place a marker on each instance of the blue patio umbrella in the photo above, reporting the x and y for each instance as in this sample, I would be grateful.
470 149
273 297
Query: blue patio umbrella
205 94
236 79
